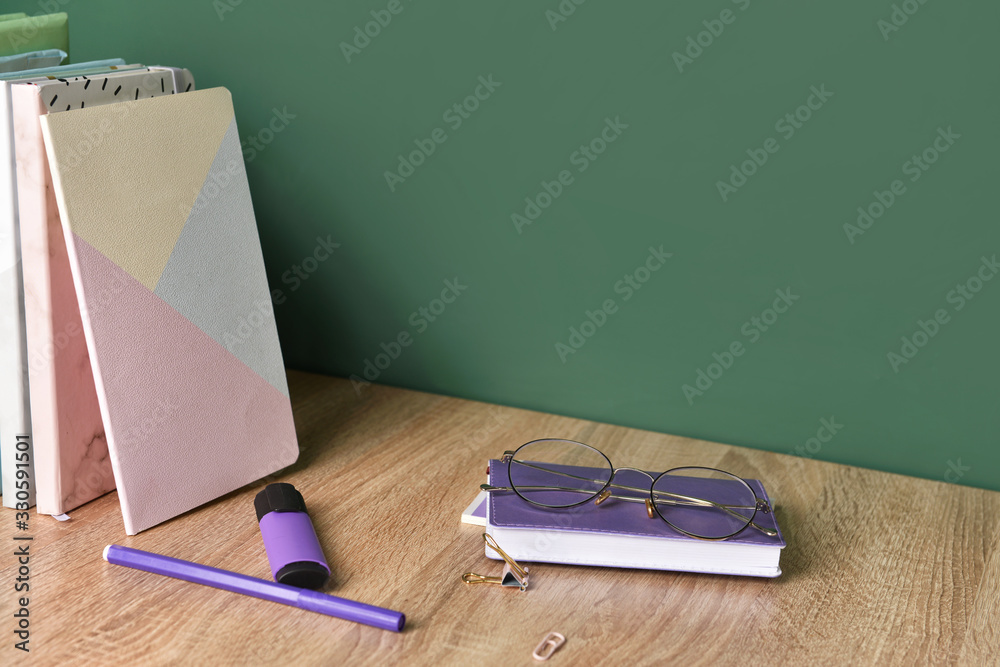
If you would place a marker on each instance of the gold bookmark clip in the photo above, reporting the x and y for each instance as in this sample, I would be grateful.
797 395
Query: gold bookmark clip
513 574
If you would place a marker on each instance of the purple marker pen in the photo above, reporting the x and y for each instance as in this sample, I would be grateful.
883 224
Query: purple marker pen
258 588
293 550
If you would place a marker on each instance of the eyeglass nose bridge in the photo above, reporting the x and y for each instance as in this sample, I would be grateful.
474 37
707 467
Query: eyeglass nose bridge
641 472
606 493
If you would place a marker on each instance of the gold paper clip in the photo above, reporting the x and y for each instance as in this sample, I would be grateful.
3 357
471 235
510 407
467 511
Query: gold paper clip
512 575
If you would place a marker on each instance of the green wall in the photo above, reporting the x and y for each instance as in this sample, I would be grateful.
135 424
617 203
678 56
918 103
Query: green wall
886 95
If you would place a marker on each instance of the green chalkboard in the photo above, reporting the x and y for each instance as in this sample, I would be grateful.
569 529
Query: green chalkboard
761 223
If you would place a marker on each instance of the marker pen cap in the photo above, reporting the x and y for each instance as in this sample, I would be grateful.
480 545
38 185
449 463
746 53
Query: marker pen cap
293 550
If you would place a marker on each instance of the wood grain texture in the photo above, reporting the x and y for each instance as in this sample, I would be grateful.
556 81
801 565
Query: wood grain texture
879 568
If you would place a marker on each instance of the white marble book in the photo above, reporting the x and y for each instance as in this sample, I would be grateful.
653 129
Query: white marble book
72 465
16 448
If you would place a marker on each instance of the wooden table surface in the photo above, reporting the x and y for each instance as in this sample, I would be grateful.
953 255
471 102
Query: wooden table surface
879 568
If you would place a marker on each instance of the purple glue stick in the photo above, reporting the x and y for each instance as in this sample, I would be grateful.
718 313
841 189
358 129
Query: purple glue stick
293 550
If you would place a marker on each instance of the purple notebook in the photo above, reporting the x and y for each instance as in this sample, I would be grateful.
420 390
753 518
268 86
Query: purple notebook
620 534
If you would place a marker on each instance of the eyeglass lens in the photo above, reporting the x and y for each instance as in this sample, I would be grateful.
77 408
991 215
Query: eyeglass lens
704 502
558 473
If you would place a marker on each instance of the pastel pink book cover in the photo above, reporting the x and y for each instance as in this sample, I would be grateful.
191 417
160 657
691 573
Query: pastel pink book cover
168 269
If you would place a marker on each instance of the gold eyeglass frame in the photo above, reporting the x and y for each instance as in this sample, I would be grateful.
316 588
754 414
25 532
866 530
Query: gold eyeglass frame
655 498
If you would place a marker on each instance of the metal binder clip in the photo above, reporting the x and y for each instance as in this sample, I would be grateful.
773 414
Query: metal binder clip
513 574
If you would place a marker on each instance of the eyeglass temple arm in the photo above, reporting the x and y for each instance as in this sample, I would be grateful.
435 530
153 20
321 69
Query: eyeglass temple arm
760 506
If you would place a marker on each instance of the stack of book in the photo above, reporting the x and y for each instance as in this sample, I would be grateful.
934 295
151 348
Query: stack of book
618 534
128 255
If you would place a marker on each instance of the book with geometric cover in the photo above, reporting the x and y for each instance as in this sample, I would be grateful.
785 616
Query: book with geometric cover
168 269
70 451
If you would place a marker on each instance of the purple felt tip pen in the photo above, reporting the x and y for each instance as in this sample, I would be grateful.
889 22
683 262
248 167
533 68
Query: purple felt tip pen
258 588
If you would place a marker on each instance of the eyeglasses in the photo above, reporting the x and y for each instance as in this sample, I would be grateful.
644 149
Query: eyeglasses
699 502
